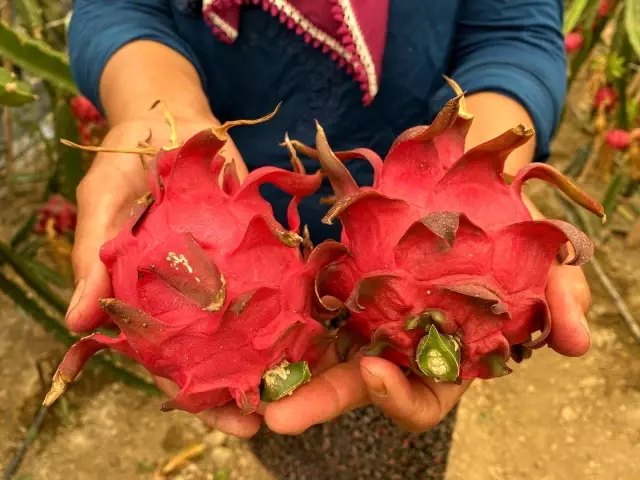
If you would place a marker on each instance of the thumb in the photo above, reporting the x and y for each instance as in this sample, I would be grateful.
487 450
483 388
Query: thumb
414 405
98 215
84 313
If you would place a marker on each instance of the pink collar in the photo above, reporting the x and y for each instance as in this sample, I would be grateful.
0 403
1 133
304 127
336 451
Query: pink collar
352 32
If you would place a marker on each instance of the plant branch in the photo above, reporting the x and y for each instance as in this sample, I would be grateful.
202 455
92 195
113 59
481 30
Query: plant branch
29 437
7 121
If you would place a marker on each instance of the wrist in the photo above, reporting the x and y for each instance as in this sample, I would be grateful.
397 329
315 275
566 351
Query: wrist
144 72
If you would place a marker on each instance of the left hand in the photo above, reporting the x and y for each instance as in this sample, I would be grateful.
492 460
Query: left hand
418 404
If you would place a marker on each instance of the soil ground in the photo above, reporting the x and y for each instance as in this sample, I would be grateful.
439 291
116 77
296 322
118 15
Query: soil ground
555 418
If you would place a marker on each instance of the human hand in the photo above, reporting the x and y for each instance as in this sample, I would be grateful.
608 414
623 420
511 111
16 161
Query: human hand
105 196
418 404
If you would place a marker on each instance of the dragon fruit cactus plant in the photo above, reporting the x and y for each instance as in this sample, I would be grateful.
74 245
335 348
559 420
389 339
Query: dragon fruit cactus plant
209 289
446 269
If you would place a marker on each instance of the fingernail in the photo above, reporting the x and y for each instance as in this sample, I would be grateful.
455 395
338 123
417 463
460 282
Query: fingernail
76 297
374 383
583 320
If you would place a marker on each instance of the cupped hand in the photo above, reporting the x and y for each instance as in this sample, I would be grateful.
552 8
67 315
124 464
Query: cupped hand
418 404
105 196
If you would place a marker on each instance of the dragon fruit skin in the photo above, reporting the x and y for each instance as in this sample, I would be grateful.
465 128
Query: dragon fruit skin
441 244
84 111
210 290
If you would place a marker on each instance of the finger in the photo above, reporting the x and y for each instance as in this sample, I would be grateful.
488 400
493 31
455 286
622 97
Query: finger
230 420
100 211
412 404
85 313
227 419
328 395
569 299
331 357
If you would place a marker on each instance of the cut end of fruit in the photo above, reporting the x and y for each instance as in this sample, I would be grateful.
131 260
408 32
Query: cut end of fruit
438 356
283 379
58 386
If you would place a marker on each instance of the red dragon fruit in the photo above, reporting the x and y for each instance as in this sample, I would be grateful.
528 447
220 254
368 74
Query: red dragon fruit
210 290
92 126
605 97
446 269
604 8
573 42
84 111
618 139
61 211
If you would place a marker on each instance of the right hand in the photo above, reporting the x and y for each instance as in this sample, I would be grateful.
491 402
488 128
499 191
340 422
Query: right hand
104 197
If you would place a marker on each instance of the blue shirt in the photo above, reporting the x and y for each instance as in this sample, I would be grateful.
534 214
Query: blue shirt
513 47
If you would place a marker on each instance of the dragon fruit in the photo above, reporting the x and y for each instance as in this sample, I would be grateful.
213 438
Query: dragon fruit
92 126
210 290
605 97
618 139
446 269
61 211
573 42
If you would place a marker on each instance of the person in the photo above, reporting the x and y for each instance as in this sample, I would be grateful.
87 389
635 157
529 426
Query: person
366 72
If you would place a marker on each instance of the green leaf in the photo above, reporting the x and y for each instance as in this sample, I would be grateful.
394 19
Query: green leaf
30 13
590 18
70 166
632 23
572 15
36 57
611 195
221 474
11 257
23 232
13 92
591 37
616 66
46 273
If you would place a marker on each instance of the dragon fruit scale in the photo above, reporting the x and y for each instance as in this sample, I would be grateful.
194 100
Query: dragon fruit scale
446 270
209 289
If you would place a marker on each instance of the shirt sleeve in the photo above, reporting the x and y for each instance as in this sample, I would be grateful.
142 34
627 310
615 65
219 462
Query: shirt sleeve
99 28
516 48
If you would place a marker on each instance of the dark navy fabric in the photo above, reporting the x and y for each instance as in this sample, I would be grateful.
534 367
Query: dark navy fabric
514 47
